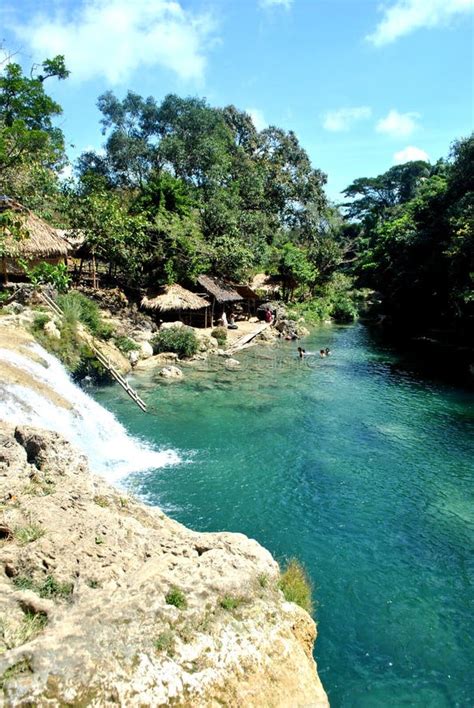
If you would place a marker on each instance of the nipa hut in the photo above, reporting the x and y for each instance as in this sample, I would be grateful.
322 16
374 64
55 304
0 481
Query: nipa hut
249 297
220 293
34 241
175 302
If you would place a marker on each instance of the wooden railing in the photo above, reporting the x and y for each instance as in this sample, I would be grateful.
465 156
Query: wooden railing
101 358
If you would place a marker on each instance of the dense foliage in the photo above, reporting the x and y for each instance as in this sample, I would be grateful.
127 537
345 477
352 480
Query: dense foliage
416 240
184 188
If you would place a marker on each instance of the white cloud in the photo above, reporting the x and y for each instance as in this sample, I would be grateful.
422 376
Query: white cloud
398 125
409 154
66 173
273 3
257 117
405 16
113 38
342 119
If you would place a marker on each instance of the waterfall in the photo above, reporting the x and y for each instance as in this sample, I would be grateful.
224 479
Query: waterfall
111 451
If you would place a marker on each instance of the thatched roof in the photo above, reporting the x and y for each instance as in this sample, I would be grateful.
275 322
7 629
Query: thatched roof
221 291
173 297
265 282
37 238
74 239
246 292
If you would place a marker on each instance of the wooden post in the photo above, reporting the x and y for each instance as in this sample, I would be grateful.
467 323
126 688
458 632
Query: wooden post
5 273
205 318
94 285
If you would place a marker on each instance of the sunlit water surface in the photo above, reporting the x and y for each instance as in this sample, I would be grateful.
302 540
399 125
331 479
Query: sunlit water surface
353 465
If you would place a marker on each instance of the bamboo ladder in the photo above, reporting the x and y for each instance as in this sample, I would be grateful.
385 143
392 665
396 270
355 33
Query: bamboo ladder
103 360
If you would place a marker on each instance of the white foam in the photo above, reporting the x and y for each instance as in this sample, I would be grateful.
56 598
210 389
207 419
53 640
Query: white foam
111 451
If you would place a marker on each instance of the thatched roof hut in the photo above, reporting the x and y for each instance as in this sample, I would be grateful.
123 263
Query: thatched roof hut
31 239
173 297
219 290
37 239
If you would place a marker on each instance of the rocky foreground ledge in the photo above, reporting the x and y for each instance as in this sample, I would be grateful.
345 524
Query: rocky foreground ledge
105 601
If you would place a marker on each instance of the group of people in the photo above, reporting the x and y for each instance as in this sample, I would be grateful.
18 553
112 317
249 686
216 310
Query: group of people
322 352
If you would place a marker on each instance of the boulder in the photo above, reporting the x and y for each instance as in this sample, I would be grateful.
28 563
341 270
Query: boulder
232 364
155 361
146 350
171 372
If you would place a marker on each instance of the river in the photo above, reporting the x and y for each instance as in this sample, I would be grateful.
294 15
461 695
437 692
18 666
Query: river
356 466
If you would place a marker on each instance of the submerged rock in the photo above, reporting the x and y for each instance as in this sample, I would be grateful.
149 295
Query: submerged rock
106 601
171 372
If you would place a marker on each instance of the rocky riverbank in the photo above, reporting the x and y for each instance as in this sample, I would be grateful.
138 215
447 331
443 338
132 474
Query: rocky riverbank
104 600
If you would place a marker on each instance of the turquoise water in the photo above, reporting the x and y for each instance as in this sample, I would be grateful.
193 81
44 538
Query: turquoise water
358 468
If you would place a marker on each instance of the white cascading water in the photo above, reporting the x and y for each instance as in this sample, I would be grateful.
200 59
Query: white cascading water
95 431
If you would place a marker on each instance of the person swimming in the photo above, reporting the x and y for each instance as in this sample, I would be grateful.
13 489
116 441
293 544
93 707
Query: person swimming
327 351
322 353
301 352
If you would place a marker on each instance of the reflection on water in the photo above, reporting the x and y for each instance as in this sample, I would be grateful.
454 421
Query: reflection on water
357 467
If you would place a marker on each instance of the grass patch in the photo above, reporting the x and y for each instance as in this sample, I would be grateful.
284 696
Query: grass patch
230 603
78 308
40 320
94 584
165 642
101 501
177 598
33 623
40 487
126 345
295 585
50 587
54 588
263 580
21 667
28 534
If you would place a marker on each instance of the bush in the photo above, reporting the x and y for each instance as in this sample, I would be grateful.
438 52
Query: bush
295 585
181 340
344 310
125 344
40 320
220 333
176 598
78 308
55 275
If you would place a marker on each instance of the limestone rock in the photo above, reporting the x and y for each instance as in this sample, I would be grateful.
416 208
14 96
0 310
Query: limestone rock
106 633
146 350
156 361
171 372
232 363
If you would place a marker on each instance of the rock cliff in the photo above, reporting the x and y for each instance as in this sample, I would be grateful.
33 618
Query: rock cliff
106 601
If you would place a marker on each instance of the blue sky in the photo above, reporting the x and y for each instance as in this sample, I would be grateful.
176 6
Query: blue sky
364 84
